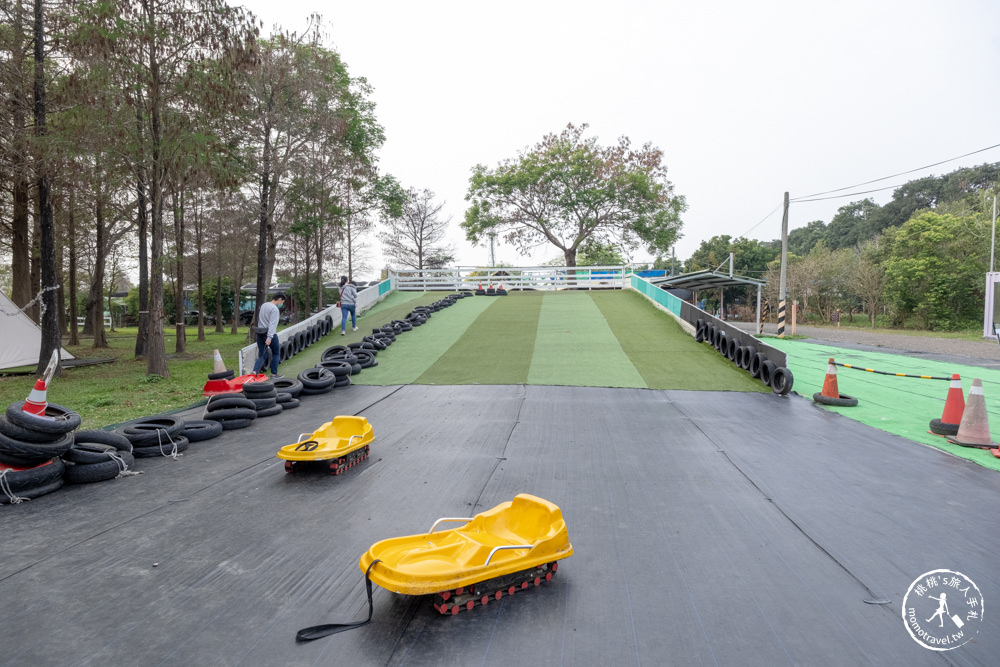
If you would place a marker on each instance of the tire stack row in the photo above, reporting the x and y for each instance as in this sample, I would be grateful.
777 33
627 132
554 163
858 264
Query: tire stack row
97 456
160 435
232 411
778 378
264 396
31 447
304 338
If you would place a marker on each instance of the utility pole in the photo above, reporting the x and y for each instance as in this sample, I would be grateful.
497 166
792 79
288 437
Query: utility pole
993 239
783 283
493 258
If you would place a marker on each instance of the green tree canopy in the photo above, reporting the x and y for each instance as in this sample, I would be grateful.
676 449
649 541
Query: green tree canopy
569 189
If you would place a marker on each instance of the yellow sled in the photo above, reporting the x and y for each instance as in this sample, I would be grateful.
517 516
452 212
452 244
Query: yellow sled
508 548
341 443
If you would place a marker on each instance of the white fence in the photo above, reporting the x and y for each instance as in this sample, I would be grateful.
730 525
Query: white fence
367 298
512 278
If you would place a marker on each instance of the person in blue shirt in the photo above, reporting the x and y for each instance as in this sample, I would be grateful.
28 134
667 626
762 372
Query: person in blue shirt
267 334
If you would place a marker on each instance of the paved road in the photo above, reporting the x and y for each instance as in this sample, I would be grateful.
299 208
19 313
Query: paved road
977 353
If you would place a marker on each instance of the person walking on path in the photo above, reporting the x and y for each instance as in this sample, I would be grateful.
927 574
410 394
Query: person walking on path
348 299
267 334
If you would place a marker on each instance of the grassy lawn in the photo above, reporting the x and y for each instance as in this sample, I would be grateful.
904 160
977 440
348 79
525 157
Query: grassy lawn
115 392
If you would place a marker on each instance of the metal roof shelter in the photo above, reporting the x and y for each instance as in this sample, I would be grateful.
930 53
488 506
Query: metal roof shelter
708 279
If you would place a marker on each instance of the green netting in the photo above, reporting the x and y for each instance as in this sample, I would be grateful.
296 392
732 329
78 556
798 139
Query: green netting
904 406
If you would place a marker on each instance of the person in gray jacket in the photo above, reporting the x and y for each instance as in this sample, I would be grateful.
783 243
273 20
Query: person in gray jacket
348 299
267 334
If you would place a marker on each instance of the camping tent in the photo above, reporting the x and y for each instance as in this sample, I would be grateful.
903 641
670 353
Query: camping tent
22 338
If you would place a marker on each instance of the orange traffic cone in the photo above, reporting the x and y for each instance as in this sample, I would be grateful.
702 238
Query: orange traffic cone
220 365
954 406
36 403
831 394
974 431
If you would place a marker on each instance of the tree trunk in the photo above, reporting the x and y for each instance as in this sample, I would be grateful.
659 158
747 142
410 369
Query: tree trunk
95 298
156 354
61 292
179 306
308 262
142 337
20 239
51 341
35 311
201 288
74 328
263 231
218 287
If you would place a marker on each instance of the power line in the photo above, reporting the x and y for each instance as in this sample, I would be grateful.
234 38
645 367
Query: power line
884 178
744 234
849 194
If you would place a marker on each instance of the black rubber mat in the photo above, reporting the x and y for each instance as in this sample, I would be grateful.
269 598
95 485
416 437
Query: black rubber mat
708 528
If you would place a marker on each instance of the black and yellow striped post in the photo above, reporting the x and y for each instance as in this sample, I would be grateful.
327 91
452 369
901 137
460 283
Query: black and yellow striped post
781 319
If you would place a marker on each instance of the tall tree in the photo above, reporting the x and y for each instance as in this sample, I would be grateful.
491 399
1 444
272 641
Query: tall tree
569 189
413 239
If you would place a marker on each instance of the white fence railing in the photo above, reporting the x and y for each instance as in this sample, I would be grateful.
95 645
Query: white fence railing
512 278
367 298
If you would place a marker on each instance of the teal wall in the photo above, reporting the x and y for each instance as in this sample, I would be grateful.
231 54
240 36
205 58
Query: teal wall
664 298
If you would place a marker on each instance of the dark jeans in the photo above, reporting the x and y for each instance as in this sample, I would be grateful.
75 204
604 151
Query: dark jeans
261 351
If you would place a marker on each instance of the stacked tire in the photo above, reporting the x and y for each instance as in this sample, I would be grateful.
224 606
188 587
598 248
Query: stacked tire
30 447
288 390
264 397
159 435
320 380
97 456
232 411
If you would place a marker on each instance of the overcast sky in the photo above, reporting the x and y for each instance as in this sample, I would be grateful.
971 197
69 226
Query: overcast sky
746 98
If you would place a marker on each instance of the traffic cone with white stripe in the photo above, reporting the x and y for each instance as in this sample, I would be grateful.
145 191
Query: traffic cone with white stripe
830 381
220 365
36 403
954 407
974 431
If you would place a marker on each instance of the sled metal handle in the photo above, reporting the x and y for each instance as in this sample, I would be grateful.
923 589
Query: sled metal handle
443 520
508 546
351 439
302 436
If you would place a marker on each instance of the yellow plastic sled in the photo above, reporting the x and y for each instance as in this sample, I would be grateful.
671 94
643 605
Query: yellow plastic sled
508 548
341 443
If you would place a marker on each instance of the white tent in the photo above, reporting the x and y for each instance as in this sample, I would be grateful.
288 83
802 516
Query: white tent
20 338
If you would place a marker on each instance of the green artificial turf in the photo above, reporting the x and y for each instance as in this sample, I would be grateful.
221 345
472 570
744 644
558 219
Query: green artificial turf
900 405
580 338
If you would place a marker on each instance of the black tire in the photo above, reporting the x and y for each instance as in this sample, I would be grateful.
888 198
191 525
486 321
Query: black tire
731 348
232 413
198 430
756 363
287 385
12 430
20 453
781 381
37 475
146 425
699 334
221 375
480 292
766 371
343 382
309 391
86 453
377 344
943 428
335 352
84 473
166 449
57 419
35 492
116 440
283 397
270 412
738 358
257 388
229 403
316 378
843 401
264 403
235 424
710 336
749 352
289 405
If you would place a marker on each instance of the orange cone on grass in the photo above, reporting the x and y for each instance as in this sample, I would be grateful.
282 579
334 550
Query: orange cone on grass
36 401
830 381
220 365
954 407
974 430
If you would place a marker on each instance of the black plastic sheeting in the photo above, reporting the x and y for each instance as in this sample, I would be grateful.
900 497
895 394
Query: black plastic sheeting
708 528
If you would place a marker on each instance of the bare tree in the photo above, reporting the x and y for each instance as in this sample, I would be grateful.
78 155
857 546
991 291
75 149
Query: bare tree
866 276
413 239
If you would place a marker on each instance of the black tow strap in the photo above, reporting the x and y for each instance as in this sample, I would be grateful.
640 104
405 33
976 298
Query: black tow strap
318 631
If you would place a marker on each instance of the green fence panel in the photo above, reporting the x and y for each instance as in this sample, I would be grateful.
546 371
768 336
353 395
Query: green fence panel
662 297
